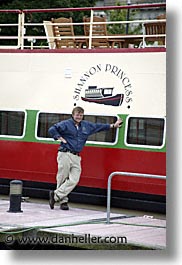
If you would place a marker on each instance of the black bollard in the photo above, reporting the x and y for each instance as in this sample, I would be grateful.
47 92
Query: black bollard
15 196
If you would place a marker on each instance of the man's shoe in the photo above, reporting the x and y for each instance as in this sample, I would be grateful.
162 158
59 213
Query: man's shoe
51 199
64 206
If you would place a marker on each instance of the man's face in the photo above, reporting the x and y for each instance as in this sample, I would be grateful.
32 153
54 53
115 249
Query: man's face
78 116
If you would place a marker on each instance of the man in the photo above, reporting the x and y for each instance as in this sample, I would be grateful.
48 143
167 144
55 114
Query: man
73 134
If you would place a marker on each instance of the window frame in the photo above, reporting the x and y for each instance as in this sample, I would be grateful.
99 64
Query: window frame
24 124
87 142
143 146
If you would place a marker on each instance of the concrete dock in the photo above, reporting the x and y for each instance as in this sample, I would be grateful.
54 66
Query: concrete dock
79 228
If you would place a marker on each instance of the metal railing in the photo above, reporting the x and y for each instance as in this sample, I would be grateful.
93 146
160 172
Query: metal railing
22 25
128 174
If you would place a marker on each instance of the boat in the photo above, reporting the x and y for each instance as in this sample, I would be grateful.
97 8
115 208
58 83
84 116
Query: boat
40 85
102 96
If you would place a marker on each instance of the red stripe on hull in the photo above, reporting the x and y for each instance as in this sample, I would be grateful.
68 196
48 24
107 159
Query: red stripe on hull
37 162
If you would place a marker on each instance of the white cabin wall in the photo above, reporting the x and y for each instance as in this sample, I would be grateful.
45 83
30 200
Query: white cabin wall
47 81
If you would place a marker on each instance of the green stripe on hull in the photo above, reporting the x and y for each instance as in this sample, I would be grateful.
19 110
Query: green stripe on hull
30 135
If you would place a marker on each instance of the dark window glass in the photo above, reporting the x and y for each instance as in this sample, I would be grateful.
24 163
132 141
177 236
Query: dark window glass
145 131
12 123
104 136
46 120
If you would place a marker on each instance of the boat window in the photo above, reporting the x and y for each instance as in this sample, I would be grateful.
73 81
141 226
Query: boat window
104 136
11 123
46 120
145 131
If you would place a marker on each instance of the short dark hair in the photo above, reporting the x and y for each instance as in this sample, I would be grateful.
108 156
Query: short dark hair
78 109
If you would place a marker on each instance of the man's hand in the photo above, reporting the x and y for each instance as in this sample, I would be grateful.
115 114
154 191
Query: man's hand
118 123
62 140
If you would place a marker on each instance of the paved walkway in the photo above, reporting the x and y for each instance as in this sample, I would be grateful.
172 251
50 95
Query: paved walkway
81 228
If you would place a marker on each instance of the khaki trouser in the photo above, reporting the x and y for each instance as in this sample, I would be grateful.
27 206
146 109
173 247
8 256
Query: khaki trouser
68 175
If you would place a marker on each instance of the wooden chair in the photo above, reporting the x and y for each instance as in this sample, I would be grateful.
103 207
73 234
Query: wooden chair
63 31
97 30
162 16
152 28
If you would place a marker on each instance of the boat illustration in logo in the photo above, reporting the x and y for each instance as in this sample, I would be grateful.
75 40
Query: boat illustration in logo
102 96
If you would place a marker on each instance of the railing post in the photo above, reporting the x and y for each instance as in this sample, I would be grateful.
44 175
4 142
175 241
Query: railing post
109 197
128 16
19 29
90 31
129 174
144 33
22 30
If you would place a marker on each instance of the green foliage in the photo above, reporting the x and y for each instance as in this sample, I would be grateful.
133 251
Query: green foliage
122 15
6 18
46 4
